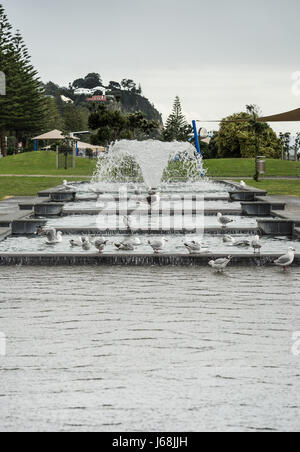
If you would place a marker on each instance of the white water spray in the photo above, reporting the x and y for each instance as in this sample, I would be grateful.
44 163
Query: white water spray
152 158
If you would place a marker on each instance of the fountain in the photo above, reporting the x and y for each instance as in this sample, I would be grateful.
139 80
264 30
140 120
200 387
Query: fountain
149 190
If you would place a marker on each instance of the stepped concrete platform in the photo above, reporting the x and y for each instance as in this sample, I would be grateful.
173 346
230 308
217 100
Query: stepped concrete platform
145 231
9 211
154 212
135 260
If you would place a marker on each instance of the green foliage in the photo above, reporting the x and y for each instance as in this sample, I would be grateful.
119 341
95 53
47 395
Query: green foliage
53 119
22 109
241 135
114 125
285 139
73 119
176 128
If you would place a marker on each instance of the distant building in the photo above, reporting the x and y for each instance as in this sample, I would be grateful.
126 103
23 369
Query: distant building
97 99
83 92
67 100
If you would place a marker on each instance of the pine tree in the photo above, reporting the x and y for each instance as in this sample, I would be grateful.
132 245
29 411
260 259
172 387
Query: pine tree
22 110
176 128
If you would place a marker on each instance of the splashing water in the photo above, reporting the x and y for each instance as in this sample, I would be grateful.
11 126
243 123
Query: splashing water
147 160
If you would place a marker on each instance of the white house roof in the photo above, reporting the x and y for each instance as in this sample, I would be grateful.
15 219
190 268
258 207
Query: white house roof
54 135
83 146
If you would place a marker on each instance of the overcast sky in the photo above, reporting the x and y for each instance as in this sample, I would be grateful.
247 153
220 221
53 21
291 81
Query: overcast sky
216 55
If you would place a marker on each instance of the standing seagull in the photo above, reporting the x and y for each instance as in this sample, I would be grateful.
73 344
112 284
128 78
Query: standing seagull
158 244
224 221
220 264
286 260
67 186
243 184
100 244
256 245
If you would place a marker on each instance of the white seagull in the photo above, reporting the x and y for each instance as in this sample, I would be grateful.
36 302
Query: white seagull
193 247
224 221
125 246
243 184
76 243
53 237
86 244
66 186
286 260
157 244
256 244
220 264
100 244
236 242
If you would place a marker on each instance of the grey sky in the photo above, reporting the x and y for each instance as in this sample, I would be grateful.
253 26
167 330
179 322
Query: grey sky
216 55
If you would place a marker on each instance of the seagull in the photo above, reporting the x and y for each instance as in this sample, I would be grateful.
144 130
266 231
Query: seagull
286 260
66 186
224 221
158 244
228 239
128 244
193 247
220 264
53 237
86 244
124 246
100 244
256 244
235 242
75 243
243 184
135 241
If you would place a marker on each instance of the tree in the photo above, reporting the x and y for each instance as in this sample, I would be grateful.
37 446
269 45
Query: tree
53 120
78 83
297 146
112 125
114 86
241 135
140 127
177 128
22 110
128 85
285 139
93 80
73 119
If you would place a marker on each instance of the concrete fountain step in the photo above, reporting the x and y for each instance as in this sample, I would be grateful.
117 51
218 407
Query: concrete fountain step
158 232
150 212
163 259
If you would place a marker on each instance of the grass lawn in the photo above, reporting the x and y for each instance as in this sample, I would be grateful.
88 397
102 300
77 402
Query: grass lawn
245 168
43 163
26 186
278 187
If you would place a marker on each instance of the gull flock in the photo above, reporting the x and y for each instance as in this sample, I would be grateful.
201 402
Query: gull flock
158 245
